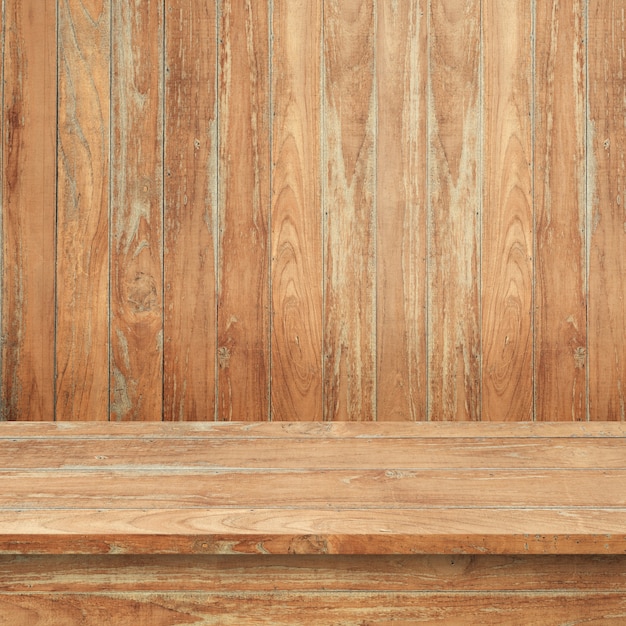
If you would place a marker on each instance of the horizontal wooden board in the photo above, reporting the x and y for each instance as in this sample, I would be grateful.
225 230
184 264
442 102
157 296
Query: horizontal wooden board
314 531
354 430
288 489
304 453
323 608
80 573
345 489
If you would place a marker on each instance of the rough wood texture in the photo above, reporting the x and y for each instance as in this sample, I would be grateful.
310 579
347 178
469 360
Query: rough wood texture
315 608
462 495
189 347
340 210
507 216
454 373
401 72
85 574
313 430
607 223
244 195
28 209
296 212
137 212
348 172
560 188
82 325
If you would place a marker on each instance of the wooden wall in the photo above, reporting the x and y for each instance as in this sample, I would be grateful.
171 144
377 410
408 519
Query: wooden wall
313 210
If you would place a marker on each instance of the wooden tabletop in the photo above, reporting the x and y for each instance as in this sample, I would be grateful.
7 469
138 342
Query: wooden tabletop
307 488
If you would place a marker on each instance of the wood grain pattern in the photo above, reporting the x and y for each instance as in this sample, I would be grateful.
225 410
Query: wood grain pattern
334 210
401 73
315 608
507 217
348 167
244 195
311 430
607 220
28 210
296 212
137 207
454 210
82 323
560 188
313 531
357 489
85 574
191 495
217 453
190 136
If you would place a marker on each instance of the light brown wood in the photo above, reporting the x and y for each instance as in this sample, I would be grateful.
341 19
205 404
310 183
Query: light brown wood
312 210
190 136
457 572
560 210
320 608
311 430
454 211
401 74
82 323
507 214
348 167
244 196
470 495
296 281
338 489
231 531
137 206
606 226
28 210
409 453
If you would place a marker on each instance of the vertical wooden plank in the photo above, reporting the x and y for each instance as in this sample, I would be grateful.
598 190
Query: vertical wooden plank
507 220
136 252
244 195
401 69
560 187
349 208
83 211
296 212
28 209
454 193
607 223
190 211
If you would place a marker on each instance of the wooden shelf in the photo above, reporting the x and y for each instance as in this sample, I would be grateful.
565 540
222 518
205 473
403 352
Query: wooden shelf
293 488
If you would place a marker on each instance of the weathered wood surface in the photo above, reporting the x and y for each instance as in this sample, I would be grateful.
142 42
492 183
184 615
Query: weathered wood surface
502 589
82 324
359 495
243 351
560 210
606 223
190 215
507 214
401 200
321 608
312 430
279 210
297 257
136 387
349 203
454 181
28 210
92 573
